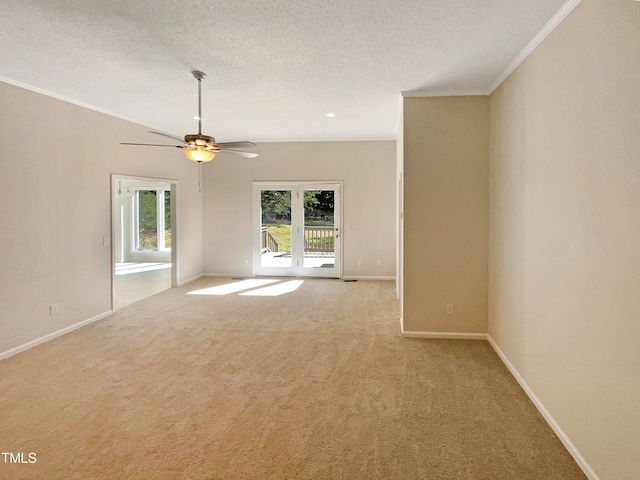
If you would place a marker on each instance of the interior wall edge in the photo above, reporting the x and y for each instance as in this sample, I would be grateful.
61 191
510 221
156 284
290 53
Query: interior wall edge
564 438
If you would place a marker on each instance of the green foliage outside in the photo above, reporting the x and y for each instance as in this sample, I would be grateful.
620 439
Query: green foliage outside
276 214
167 219
148 219
282 232
318 207
276 206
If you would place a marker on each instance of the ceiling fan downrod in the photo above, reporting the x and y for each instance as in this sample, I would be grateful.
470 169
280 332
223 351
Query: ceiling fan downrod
199 76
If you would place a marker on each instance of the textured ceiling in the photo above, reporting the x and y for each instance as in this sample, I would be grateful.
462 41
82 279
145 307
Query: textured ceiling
274 68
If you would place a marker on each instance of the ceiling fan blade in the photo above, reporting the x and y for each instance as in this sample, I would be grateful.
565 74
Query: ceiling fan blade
236 144
174 137
151 145
203 145
236 152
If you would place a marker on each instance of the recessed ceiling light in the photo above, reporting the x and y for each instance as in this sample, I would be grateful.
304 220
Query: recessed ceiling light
196 118
331 115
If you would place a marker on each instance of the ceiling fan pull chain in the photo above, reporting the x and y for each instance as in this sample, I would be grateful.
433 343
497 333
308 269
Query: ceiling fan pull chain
199 177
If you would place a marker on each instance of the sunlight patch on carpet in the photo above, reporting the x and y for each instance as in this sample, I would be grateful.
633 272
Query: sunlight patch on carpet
233 287
275 290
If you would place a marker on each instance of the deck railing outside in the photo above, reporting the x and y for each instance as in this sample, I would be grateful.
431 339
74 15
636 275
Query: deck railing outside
318 239
269 242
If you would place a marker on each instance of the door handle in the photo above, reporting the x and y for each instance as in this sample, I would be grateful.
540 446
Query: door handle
337 232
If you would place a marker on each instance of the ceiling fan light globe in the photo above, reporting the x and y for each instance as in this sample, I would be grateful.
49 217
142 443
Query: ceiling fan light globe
199 154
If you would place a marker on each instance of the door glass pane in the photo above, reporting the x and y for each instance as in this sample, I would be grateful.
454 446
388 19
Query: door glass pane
319 229
275 231
147 220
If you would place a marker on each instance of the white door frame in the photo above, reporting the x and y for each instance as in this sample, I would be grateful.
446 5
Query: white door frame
296 221
175 258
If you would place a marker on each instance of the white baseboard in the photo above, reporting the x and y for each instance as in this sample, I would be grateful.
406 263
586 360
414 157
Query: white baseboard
346 277
189 280
373 277
51 336
577 456
449 335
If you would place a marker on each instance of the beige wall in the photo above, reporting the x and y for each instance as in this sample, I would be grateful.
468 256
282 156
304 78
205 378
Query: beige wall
564 268
367 170
55 165
445 214
57 207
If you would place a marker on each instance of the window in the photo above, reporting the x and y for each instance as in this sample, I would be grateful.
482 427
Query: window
152 219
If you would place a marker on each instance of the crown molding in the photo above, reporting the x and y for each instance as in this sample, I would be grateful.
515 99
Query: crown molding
535 41
441 93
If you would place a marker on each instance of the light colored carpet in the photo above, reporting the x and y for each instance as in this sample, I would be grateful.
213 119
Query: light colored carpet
311 384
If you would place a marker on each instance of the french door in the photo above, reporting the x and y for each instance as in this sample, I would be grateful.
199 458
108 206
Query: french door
296 229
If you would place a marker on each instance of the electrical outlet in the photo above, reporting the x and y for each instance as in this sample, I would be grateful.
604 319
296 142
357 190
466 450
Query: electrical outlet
54 309
450 309
379 262
106 241
359 262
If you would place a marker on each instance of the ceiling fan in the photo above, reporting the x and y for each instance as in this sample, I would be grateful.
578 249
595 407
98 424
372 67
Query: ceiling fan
198 147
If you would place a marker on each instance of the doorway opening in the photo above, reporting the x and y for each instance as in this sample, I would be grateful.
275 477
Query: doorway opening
297 229
144 240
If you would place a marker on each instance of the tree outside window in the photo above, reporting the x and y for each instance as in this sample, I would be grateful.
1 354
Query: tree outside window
153 229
